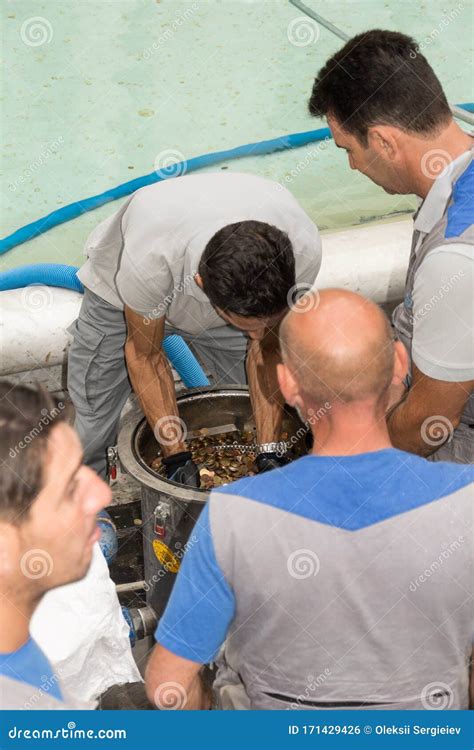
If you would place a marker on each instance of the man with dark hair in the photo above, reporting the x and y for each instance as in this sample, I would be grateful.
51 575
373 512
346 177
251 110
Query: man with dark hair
386 108
48 506
216 258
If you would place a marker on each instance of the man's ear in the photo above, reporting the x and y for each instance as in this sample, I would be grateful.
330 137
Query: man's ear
401 362
198 280
383 140
287 383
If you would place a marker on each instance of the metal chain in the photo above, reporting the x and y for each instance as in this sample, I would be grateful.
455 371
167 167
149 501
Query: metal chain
242 447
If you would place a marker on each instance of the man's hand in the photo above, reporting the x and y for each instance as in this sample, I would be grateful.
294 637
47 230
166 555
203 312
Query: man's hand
430 407
181 468
271 456
268 461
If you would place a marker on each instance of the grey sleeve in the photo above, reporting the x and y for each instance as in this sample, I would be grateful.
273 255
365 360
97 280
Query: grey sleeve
443 311
307 249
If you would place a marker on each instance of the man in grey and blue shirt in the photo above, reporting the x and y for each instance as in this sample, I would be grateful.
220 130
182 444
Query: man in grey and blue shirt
343 580
48 528
386 108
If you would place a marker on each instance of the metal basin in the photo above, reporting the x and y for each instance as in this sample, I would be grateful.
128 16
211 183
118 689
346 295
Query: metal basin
198 407
170 510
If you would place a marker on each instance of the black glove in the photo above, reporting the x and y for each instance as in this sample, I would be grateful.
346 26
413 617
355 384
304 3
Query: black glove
268 461
181 468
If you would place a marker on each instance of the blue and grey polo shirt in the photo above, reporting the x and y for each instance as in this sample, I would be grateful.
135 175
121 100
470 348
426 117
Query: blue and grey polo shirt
332 582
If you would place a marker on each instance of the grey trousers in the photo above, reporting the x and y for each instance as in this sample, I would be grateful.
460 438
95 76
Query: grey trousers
98 381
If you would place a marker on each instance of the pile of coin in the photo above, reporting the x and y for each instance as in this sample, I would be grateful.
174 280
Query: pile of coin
218 462
224 458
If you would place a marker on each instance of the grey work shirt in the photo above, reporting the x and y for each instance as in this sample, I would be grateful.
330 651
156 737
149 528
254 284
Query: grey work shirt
145 256
333 582
435 320
17 696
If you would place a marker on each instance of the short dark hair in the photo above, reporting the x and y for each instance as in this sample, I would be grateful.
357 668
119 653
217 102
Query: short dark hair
27 417
248 268
380 77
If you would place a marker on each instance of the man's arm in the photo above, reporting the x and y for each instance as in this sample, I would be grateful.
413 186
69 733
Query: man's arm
175 683
266 399
152 379
430 409
196 620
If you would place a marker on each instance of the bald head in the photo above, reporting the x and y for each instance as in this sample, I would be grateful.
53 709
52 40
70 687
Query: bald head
338 346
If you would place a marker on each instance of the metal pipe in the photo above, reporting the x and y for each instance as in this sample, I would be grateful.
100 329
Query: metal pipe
319 19
133 586
461 114
142 622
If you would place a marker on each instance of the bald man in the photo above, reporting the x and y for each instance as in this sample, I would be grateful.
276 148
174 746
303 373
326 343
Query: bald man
343 579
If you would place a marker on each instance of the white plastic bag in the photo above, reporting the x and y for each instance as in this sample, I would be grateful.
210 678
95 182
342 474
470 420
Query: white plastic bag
81 629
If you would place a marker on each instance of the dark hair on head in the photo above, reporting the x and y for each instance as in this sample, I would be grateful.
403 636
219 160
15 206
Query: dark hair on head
248 268
27 416
380 77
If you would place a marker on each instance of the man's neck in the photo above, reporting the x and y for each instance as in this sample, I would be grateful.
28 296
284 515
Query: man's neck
351 430
15 617
445 148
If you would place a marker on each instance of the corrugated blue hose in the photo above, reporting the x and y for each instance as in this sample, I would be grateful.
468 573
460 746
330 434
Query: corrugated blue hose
184 361
52 274
73 210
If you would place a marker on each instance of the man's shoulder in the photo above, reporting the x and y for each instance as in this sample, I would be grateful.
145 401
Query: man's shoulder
348 492
16 695
447 476
20 696
460 214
